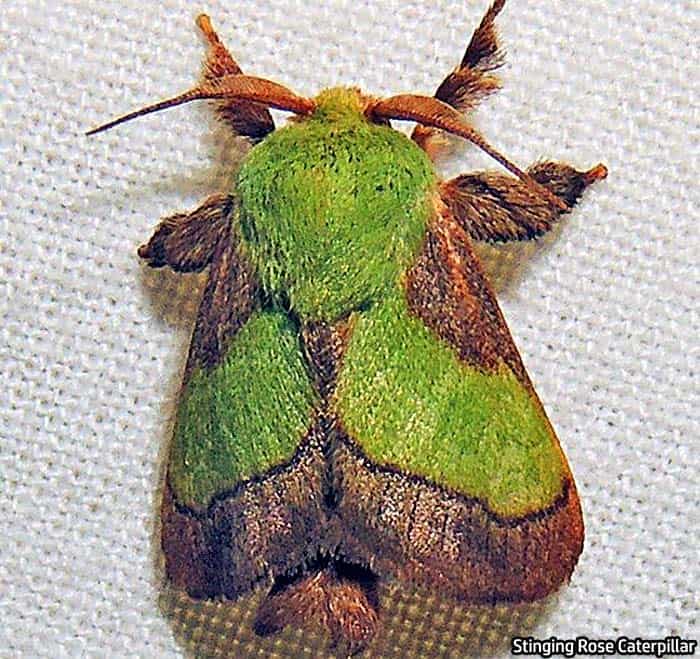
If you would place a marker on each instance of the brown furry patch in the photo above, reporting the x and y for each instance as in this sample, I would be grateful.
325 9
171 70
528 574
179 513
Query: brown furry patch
340 597
187 241
448 291
231 295
190 563
247 119
324 346
495 207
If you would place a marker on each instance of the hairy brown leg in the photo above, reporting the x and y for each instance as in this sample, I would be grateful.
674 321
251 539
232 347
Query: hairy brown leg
471 81
186 241
495 207
247 119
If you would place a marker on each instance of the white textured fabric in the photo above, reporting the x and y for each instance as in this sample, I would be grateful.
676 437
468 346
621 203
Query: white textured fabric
92 344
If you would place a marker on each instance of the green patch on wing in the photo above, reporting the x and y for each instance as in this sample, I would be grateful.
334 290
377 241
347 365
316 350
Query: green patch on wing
409 402
244 416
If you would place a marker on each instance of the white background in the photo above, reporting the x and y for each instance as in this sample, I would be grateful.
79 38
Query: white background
92 344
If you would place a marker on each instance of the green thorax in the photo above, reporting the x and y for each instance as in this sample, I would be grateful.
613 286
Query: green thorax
334 207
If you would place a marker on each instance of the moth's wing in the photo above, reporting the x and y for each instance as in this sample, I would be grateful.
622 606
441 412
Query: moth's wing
243 497
447 469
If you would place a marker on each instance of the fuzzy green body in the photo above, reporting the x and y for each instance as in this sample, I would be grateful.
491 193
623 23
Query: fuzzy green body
333 211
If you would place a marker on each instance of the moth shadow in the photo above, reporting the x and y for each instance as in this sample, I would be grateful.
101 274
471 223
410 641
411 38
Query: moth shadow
415 624
226 154
506 265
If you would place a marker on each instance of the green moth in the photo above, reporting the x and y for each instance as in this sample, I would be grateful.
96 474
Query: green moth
353 405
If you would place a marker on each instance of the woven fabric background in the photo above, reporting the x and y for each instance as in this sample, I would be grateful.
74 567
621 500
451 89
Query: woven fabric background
92 344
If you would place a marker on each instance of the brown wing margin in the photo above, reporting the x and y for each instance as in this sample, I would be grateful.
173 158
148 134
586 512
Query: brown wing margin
407 527
231 295
448 290
189 242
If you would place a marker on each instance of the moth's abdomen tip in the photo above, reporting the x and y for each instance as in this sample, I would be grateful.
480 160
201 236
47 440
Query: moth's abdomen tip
343 599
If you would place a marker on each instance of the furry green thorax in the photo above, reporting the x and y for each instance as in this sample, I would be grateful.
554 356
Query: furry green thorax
334 207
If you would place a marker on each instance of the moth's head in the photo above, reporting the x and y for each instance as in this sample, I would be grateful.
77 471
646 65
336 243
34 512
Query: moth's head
334 103
338 103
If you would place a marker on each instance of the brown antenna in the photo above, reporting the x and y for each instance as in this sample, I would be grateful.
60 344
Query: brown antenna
237 86
434 113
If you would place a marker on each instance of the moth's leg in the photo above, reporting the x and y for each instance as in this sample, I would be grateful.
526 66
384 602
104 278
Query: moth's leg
247 119
186 241
496 207
471 82
219 61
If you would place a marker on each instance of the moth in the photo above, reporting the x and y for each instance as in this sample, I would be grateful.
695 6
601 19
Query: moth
353 405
